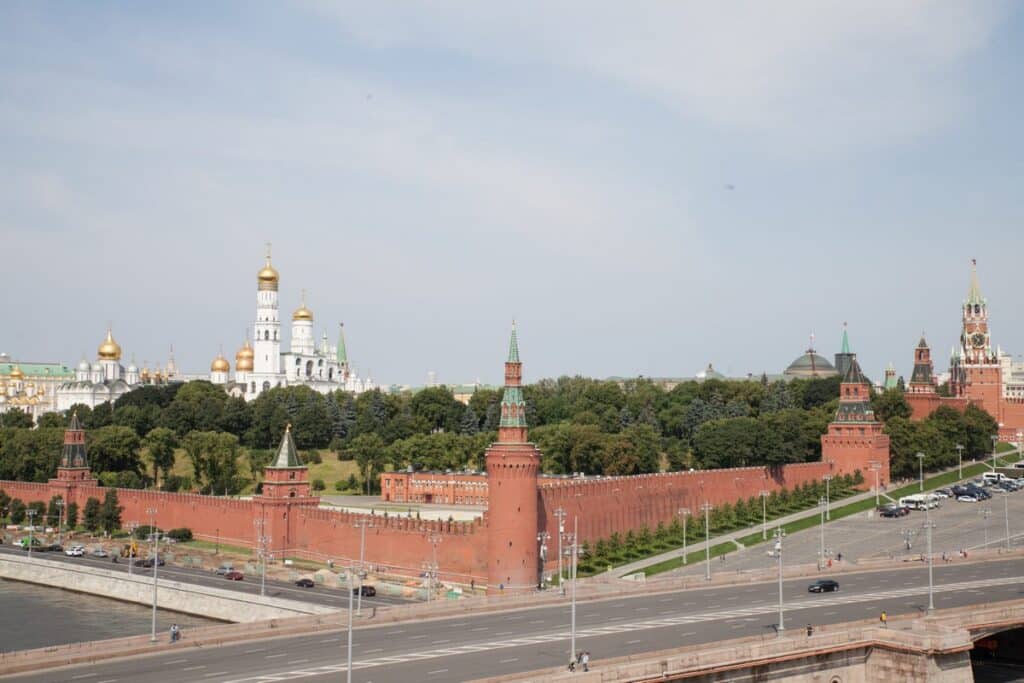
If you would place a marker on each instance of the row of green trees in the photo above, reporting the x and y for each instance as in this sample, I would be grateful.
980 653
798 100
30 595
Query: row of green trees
618 548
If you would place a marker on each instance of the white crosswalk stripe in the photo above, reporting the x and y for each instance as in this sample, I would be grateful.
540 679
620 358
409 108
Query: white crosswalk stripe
833 599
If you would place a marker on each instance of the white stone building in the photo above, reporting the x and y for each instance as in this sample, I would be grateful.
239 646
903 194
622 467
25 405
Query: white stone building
104 381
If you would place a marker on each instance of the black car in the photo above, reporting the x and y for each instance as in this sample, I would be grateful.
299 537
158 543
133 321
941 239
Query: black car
148 563
367 591
823 586
305 583
978 492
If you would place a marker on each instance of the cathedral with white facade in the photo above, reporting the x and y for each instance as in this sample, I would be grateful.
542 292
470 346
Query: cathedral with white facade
261 364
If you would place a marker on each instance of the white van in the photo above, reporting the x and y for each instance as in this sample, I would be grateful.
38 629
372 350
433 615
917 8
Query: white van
993 478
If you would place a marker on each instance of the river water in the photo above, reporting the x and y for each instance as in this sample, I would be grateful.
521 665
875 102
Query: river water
36 616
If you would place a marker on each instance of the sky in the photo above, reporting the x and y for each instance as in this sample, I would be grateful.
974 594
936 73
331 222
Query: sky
644 187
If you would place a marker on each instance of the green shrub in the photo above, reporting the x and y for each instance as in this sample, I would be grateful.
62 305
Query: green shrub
318 485
181 535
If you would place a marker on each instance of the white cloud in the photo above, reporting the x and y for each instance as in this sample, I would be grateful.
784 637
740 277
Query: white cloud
829 73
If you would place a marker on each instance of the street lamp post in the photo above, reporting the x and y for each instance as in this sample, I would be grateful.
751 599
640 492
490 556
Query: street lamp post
876 466
780 533
351 590
572 553
828 497
960 460
156 563
821 536
929 525
684 513
560 514
435 540
920 465
764 515
706 507
31 527
362 525
995 440
1006 516
542 553
261 540
986 513
60 521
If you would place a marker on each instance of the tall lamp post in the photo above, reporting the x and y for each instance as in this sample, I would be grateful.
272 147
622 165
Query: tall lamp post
542 552
706 507
1006 516
960 460
573 552
351 590
31 527
261 544
876 466
435 540
764 515
995 440
363 525
60 521
780 533
920 476
156 563
684 513
821 537
929 525
828 497
986 513
560 514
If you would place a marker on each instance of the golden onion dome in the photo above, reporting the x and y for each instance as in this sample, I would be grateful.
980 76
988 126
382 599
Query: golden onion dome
17 374
220 364
244 358
267 278
109 349
303 313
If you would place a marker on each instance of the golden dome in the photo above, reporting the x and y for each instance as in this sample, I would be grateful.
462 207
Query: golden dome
303 313
109 349
267 278
244 358
220 364
17 374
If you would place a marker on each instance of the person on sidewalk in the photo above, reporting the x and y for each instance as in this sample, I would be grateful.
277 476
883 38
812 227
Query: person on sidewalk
586 661
883 618
810 630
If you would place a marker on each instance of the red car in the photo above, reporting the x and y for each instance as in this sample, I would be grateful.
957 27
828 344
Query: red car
234 576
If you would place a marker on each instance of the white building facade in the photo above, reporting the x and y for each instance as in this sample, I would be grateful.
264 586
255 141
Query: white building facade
104 381
262 365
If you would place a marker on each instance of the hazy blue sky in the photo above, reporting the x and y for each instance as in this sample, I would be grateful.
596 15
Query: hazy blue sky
646 187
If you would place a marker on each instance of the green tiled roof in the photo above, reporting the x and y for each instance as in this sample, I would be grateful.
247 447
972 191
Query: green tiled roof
846 341
513 346
38 369
342 353
287 453
974 293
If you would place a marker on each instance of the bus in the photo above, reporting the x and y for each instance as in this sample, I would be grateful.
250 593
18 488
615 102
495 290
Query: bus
920 501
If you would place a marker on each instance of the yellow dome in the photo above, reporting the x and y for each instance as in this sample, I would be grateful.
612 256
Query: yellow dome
220 364
109 349
244 358
267 278
303 313
17 374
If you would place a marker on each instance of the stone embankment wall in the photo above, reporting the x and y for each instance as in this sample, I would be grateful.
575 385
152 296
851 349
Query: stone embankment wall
214 603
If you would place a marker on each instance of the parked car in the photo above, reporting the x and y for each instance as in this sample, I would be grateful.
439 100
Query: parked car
234 575
75 551
967 498
98 552
978 492
943 493
823 586
367 591
305 583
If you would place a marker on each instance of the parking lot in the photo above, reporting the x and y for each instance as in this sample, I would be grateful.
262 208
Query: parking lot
958 527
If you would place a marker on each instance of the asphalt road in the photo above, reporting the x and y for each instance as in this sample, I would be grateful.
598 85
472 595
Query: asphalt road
957 526
333 597
472 646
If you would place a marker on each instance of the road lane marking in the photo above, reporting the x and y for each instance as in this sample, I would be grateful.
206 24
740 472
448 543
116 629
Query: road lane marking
481 628
438 671
217 673
281 654
75 678
370 652
259 649
193 668
177 661
508 661
329 640
633 642
441 642
298 661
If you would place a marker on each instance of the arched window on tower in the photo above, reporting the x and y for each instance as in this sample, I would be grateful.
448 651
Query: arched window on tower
266 335
266 386
309 368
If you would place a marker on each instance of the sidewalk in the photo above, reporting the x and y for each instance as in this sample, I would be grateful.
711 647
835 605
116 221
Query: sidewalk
639 565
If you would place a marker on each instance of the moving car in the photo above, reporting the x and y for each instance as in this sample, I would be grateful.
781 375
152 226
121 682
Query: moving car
98 552
75 551
367 591
823 586
967 498
305 583
225 569
893 510
234 575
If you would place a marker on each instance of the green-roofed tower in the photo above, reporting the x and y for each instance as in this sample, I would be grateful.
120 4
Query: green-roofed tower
512 428
342 353
286 476
844 359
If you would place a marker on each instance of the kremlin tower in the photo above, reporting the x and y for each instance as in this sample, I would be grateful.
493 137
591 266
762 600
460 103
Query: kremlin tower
513 466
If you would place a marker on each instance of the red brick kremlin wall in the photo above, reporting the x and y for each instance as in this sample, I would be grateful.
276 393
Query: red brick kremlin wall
400 543
620 504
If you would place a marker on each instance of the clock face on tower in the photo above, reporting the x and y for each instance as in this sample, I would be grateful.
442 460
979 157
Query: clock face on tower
978 340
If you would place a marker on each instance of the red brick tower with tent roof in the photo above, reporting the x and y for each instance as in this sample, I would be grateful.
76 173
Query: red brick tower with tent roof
854 440
513 467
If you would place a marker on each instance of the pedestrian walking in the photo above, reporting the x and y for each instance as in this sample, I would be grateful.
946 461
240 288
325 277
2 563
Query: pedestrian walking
884 618
810 630
472 585
586 661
